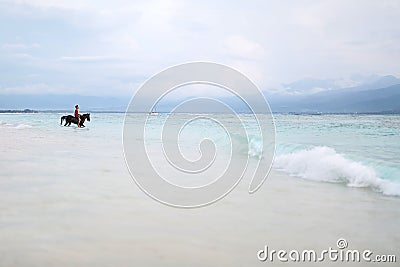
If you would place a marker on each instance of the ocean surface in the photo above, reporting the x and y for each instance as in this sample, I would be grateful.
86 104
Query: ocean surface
353 150
356 150
67 198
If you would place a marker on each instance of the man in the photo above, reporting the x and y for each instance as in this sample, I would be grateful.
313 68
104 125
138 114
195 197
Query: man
77 115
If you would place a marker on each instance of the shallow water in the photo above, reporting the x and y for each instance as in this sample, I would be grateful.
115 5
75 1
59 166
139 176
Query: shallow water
357 150
67 198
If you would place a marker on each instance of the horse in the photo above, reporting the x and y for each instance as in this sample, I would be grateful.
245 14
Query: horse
71 119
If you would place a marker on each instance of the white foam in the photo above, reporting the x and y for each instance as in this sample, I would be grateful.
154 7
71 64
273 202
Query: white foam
16 126
255 148
325 164
22 126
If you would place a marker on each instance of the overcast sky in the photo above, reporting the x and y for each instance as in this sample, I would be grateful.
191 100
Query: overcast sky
111 47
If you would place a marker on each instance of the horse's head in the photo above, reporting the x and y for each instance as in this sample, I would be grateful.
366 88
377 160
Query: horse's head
85 116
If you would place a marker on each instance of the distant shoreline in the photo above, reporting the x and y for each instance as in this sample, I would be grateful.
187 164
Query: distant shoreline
30 111
19 111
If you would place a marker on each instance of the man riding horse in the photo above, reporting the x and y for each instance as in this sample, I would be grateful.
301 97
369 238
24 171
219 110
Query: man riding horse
78 119
77 115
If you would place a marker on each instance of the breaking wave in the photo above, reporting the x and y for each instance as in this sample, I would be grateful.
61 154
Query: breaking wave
324 164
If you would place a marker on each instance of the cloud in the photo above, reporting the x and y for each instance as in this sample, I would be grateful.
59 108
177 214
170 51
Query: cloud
19 46
273 42
62 4
239 46
39 88
93 59
23 56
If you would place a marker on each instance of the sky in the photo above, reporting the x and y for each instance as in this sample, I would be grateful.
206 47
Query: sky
106 48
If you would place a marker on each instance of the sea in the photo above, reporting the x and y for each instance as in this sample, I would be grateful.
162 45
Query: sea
352 150
67 197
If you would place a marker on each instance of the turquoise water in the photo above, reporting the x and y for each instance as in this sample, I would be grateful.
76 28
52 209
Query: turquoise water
356 150
67 198
359 150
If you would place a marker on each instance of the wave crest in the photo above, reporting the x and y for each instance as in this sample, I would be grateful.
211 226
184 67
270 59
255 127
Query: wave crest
323 163
22 126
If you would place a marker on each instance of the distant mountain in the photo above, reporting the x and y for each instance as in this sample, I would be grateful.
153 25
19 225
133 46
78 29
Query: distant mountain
355 83
381 94
311 85
340 101
378 82
384 81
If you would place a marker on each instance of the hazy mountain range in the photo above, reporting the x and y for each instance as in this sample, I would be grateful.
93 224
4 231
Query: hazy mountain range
376 94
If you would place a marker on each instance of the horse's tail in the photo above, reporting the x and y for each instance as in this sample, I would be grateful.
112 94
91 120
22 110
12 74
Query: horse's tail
62 118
